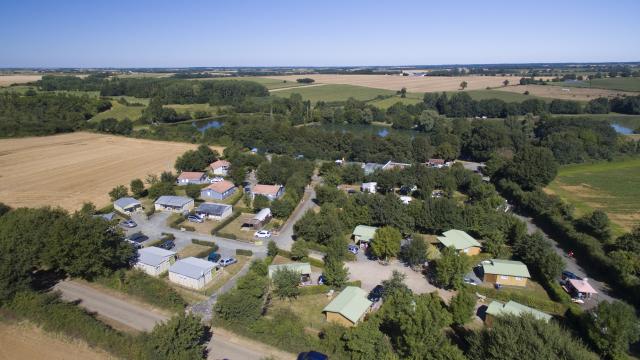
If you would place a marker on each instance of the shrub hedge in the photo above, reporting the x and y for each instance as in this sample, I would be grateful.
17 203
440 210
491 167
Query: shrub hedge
210 244
147 288
244 252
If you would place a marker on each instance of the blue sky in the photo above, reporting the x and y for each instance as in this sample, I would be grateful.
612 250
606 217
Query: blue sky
70 33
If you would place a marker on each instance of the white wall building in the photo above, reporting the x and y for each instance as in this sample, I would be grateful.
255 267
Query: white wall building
154 261
370 187
192 273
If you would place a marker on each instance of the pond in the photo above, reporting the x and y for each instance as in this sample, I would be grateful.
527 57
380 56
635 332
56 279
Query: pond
620 129
206 124
372 129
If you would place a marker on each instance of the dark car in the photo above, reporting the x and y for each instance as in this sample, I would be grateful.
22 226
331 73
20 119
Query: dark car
312 355
568 275
376 294
214 257
168 245
138 238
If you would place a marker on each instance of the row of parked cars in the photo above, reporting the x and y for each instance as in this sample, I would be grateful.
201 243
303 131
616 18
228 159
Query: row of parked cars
216 258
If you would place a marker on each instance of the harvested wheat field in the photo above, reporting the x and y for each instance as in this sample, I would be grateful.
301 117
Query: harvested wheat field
67 170
6 80
566 93
25 341
412 83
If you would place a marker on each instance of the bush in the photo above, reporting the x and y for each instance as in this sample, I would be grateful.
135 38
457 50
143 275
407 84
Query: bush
211 244
545 305
147 288
65 318
244 252
227 235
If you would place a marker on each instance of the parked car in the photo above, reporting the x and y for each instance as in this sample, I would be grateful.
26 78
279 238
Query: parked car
470 281
214 257
321 279
376 294
128 223
312 355
353 249
217 179
137 239
263 234
195 218
568 275
228 261
168 245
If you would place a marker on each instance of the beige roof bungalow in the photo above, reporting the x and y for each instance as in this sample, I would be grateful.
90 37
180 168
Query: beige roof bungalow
220 167
192 177
505 272
349 307
461 241
272 192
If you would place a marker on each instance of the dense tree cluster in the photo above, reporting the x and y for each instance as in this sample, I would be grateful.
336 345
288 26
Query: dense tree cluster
46 114
175 91
294 174
196 160
77 244
92 82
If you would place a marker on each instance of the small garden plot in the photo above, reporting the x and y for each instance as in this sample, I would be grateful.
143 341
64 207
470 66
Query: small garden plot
235 229
307 307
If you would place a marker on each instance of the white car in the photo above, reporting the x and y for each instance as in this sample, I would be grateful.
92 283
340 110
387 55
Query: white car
216 179
262 234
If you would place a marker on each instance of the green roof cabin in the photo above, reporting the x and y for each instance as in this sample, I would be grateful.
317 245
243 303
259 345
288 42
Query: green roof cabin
461 241
363 233
349 307
505 272
497 308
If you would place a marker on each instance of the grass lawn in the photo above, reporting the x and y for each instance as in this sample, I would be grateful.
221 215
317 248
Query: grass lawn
307 307
183 108
192 250
619 83
268 83
335 92
533 295
120 112
205 227
629 121
235 226
613 187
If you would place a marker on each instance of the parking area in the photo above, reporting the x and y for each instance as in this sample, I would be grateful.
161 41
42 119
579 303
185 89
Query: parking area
372 273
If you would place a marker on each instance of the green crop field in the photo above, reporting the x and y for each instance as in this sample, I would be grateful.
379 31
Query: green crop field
619 83
613 187
120 112
334 92
388 102
182 108
502 95
268 83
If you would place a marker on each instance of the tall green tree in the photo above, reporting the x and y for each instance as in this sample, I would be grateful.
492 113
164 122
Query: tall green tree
286 283
526 338
366 341
611 327
137 188
386 242
335 273
182 337
415 253
462 306
533 166
118 192
451 267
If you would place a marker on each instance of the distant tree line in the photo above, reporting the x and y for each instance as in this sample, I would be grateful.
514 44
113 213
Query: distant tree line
46 114
175 91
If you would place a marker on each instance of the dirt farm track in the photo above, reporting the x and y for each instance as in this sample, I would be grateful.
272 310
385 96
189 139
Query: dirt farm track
67 170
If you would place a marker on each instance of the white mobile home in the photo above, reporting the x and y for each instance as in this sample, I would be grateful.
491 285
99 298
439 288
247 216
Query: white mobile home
154 261
192 273
174 203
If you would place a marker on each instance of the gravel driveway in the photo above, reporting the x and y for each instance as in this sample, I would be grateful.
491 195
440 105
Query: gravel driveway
372 273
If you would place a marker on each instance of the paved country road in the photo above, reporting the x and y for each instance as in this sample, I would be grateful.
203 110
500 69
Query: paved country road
572 265
131 315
